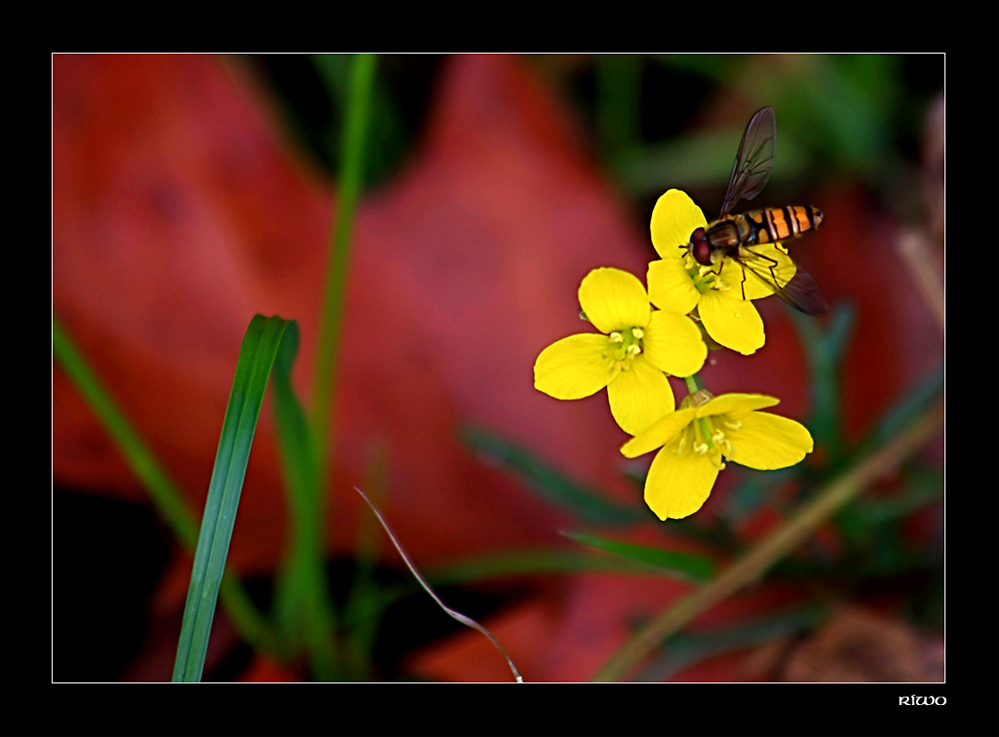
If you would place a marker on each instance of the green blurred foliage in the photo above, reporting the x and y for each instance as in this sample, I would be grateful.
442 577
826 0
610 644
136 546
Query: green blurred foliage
856 116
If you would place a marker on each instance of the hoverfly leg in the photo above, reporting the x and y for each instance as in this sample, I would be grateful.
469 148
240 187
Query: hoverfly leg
773 263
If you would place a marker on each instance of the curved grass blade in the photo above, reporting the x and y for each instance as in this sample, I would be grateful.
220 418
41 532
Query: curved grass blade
256 357
456 615
303 603
161 488
684 565
585 503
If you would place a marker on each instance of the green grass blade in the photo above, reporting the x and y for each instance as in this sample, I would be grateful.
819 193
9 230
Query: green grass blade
165 495
140 459
684 565
387 130
256 357
351 174
585 503
303 605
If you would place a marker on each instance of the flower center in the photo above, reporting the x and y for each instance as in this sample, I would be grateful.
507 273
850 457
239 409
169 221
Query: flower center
706 278
624 345
708 436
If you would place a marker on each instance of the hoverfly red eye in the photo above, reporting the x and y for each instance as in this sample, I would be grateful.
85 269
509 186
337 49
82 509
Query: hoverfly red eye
700 249
702 252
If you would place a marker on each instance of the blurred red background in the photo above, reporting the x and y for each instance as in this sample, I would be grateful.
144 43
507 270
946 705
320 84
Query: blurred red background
180 211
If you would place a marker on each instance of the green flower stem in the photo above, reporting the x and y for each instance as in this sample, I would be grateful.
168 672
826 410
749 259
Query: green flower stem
354 133
164 493
692 384
792 533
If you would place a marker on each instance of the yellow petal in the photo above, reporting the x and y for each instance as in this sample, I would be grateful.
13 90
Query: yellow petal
640 396
660 433
575 367
772 262
673 344
732 322
767 441
670 286
735 405
614 300
678 485
674 218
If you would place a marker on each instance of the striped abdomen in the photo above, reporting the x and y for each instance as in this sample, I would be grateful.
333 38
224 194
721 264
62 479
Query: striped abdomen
766 225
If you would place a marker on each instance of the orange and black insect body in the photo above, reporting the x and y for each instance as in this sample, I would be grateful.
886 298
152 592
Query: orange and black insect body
731 236
753 228
772 224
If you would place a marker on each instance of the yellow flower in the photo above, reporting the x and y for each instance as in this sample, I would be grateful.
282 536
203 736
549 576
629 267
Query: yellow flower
678 283
638 345
696 437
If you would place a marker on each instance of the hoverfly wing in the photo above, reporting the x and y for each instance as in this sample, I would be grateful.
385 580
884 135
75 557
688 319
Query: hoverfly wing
804 294
755 159
801 292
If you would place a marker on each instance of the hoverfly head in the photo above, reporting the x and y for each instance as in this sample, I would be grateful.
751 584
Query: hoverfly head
817 215
699 247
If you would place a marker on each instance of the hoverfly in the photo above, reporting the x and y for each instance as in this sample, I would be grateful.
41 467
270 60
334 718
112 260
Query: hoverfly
732 236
